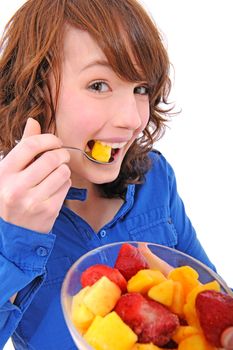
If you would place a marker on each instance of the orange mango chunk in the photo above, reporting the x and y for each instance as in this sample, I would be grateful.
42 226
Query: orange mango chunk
187 276
109 333
178 300
183 332
144 279
163 292
195 342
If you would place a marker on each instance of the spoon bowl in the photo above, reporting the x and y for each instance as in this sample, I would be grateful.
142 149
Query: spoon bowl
88 156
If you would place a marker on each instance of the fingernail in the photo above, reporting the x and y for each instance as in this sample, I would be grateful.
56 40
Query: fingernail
228 339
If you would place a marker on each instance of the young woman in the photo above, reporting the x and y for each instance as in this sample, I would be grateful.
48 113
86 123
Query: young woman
73 72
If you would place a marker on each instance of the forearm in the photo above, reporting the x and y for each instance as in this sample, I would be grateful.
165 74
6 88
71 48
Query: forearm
12 313
23 270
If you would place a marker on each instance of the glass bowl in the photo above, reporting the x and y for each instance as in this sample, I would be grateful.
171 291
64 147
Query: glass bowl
107 254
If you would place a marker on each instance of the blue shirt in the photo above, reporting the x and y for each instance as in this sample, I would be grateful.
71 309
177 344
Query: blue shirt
35 264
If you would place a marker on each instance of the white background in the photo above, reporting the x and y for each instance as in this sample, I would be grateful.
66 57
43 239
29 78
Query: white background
198 143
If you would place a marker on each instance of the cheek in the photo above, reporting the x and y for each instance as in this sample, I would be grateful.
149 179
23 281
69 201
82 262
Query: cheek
75 114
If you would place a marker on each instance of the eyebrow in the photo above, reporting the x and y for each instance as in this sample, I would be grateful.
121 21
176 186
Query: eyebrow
94 63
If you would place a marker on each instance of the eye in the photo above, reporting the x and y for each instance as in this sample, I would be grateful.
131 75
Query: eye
99 86
141 90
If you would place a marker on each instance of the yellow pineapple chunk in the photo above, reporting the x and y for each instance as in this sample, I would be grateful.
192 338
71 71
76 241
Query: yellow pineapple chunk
163 292
109 333
102 296
95 326
80 314
144 280
101 152
195 342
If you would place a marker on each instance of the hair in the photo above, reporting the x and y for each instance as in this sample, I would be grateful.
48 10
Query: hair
31 49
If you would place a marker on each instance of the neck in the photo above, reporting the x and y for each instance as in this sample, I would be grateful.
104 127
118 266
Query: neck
95 210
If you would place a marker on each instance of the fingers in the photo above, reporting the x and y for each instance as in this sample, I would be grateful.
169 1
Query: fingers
227 339
52 183
28 149
30 146
40 215
154 261
36 179
38 170
32 127
53 205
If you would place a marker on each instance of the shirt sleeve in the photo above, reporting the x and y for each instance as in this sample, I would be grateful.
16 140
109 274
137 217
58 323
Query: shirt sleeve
187 238
23 257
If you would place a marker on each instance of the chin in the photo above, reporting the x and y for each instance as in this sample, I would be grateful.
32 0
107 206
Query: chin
94 173
99 179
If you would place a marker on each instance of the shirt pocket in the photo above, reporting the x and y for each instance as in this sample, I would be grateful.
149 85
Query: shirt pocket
56 270
154 226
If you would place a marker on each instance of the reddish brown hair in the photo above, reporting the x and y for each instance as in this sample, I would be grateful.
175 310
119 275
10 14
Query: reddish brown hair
31 49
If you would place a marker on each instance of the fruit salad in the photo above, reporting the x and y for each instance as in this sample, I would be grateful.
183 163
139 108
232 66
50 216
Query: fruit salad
135 306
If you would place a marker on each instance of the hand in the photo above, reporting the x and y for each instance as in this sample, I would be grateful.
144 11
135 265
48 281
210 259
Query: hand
227 339
34 180
153 260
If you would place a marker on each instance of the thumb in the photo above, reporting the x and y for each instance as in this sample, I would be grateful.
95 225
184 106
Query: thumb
32 127
227 338
153 260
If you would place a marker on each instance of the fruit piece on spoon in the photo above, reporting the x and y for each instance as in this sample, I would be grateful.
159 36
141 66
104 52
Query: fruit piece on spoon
101 152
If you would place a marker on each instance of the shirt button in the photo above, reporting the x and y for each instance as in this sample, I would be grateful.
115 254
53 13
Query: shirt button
41 251
103 233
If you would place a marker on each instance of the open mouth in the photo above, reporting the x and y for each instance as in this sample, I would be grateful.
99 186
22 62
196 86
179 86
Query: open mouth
103 152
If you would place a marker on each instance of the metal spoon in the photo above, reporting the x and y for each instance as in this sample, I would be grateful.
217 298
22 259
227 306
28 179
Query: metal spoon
88 156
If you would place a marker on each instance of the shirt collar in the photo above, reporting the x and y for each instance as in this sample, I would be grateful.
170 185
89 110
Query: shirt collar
77 194
81 194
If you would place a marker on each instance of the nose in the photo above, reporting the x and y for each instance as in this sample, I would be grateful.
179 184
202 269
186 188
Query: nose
128 113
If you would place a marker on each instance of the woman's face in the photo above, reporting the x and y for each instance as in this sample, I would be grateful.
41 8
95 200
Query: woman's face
95 104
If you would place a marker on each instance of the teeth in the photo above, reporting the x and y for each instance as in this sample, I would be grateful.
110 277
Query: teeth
113 145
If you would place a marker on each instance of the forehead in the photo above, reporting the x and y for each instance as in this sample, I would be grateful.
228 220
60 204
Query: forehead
79 47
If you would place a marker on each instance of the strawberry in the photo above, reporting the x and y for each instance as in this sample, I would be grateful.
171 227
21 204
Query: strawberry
130 261
215 313
95 272
150 320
